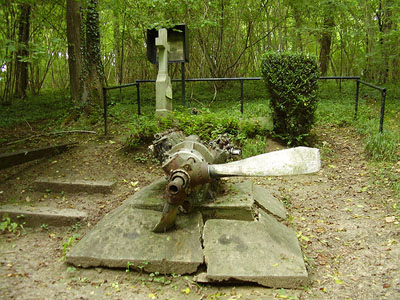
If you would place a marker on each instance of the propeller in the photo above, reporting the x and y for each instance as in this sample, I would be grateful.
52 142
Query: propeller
294 161
187 170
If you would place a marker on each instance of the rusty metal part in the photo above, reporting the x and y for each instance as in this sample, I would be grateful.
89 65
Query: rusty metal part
186 169
176 187
167 220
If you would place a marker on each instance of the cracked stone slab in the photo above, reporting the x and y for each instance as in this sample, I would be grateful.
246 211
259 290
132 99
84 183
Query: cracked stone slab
125 235
36 216
264 252
236 203
73 186
149 197
268 202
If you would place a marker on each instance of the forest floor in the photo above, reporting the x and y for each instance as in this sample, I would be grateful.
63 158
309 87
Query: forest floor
344 219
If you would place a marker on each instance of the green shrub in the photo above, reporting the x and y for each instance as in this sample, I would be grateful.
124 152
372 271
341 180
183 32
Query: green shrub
292 81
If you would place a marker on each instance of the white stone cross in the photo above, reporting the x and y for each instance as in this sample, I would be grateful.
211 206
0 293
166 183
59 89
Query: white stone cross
163 82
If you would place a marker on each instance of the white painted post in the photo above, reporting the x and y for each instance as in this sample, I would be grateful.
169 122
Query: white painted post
163 82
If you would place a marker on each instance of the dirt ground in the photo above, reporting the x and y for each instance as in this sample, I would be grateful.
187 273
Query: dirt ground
344 221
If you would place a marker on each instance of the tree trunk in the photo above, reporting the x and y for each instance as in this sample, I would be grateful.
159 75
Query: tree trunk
21 62
95 80
117 50
75 59
84 60
384 19
326 39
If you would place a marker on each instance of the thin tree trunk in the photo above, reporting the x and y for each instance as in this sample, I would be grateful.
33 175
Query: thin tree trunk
75 59
22 53
95 79
326 39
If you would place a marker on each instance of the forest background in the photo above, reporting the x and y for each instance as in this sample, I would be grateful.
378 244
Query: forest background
227 38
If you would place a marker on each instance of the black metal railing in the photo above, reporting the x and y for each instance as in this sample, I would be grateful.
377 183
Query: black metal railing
383 99
242 79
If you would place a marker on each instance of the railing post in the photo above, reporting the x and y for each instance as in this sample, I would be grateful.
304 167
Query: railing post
138 97
382 110
105 110
241 96
357 94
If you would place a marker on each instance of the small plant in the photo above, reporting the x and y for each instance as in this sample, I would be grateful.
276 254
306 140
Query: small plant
129 265
68 244
44 226
75 227
8 226
71 269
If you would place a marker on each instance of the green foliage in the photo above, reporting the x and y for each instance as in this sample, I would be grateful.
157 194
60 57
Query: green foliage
8 226
206 124
51 105
68 244
292 81
254 146
382 146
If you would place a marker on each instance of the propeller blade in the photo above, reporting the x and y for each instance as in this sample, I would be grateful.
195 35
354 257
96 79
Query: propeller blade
294 161
167 220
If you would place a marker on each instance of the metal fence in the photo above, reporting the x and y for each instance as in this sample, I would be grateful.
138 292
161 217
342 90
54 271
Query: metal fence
242 80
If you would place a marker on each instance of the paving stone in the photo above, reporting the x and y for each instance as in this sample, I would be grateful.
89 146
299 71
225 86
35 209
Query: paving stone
265 252
150 197
237 203
36 216
268 202
125 235
73 186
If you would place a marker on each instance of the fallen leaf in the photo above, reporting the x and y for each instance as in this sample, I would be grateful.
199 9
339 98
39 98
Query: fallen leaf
390 219
185 291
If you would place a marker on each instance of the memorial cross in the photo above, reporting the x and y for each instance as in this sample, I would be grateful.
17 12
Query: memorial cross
163 82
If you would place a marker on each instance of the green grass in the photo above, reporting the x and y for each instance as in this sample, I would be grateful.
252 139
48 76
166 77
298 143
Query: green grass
50 105
219 113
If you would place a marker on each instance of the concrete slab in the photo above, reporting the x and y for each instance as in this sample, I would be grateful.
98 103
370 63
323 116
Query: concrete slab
36 216
149 197
265 200
265 252
237 203
125 236
73 186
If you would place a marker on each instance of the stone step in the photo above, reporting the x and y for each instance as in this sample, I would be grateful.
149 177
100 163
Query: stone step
22 156
36 216
73 186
